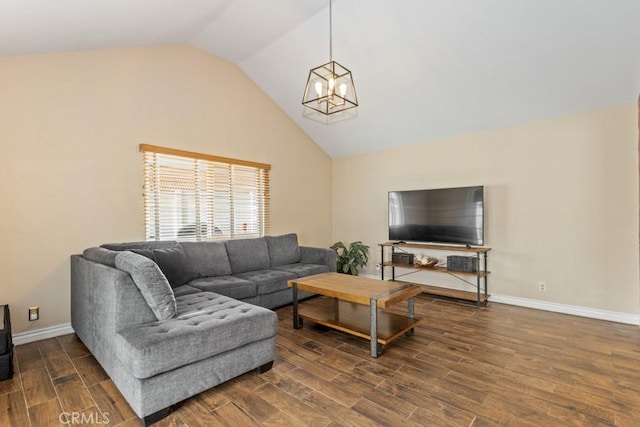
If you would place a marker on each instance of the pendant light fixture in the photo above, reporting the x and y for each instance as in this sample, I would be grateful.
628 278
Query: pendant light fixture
330 86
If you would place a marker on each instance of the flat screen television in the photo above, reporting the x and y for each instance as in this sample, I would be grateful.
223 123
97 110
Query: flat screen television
443 215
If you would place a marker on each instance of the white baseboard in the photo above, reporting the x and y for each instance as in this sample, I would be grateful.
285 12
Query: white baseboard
42 334
594 313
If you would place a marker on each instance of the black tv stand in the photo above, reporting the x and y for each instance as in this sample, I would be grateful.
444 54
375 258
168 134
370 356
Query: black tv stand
480 294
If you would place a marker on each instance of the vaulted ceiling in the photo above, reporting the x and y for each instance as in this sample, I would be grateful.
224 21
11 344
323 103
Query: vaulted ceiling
423 69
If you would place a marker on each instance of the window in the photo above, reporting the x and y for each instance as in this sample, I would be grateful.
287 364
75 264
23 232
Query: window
191 196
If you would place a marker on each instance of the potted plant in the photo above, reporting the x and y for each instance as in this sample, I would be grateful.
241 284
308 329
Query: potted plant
351 258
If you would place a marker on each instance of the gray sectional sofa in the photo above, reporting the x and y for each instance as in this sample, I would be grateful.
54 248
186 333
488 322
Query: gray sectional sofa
168 320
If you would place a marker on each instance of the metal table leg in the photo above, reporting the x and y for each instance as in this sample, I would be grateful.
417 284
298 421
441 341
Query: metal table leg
375 349
297 321
410 315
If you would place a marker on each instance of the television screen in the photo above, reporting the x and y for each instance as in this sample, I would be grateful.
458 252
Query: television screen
445 215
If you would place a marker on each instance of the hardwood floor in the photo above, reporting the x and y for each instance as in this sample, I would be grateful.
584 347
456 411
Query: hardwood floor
499 365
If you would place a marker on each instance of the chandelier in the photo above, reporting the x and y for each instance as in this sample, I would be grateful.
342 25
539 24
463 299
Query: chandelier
330 86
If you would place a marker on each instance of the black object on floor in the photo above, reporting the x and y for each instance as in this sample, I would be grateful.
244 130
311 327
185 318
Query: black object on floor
6 344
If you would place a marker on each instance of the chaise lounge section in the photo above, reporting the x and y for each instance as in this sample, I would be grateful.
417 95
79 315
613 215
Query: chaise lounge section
168 320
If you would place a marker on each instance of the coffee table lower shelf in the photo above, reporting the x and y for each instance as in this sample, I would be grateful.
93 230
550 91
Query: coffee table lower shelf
353 319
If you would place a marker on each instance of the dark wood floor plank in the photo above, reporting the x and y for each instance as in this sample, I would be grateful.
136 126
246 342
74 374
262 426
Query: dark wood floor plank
278 420
110 401
73 395
13 410
29 357
329 389
194 414
432 416
316 338
37 387
11 385
73 346
90 370
294 408
252 403
396 353
627 420
250 380
342 362
430 411
49 345
341 415
58 363
382 416
46 414
288 384
377 395
213 398
309 365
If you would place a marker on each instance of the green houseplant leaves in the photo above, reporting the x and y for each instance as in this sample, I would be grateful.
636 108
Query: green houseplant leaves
351 258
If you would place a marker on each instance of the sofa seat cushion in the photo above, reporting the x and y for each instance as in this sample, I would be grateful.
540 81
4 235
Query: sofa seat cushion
268 280
302 270
206 324
230 286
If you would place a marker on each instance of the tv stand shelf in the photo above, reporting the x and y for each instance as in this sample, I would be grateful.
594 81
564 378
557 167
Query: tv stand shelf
480 296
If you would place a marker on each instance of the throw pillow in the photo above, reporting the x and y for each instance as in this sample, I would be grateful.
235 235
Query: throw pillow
175 264
153 285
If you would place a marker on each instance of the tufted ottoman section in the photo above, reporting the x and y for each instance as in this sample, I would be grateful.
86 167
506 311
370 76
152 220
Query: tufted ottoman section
206 324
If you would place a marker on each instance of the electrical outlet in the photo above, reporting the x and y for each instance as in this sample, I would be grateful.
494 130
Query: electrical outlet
378 267
34 313
542 286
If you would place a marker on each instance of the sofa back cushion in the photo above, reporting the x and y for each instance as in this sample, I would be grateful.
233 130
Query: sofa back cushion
153 285
175 265
150 245
283 249
248 254
208 259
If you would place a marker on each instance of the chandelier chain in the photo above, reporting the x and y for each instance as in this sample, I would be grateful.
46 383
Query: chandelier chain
330 31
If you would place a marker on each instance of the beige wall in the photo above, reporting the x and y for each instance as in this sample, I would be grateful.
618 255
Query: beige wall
561 201
70 174
561 194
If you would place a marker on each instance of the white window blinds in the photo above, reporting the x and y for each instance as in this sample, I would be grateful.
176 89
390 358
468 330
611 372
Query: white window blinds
192 196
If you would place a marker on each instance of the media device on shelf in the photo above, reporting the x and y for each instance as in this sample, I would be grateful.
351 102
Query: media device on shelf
442 215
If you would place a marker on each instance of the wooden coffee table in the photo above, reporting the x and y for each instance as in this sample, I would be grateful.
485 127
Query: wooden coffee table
355 305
